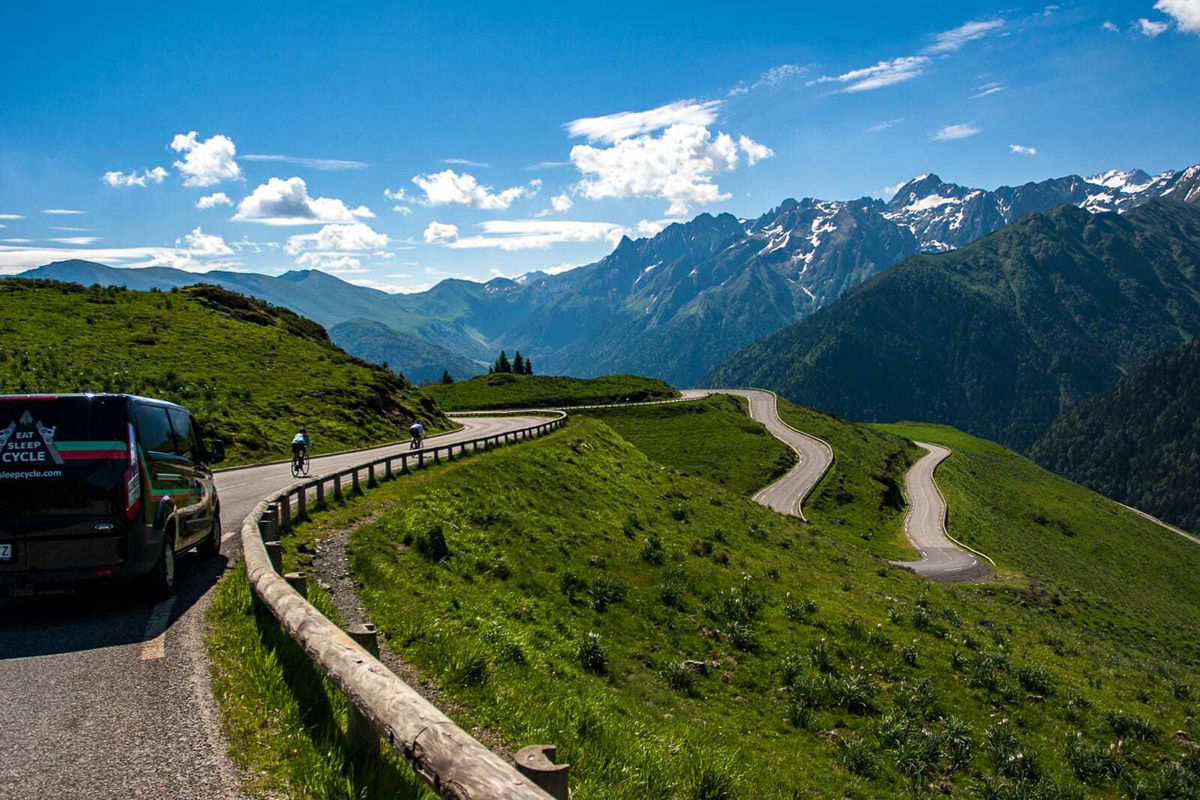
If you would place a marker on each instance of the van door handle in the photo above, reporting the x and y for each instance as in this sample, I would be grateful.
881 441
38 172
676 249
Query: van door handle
169 476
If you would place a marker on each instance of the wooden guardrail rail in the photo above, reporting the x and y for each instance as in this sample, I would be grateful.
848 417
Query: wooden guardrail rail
446 757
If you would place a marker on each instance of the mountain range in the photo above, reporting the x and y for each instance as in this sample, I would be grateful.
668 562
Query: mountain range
999 337
1139 441
675 304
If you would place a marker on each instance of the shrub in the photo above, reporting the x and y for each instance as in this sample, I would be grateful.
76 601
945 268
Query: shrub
740 604
956 742
1008 756
743 636
856 756
819 655
1093 765
672 593
909 654
680 676
1127 726
1035 679
791 667
571 585
606 592
431 543
855 692
652 550
590 654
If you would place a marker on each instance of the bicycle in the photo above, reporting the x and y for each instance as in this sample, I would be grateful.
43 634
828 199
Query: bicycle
416 443
300 464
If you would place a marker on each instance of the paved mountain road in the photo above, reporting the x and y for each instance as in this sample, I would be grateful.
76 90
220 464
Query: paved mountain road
105 696
925 526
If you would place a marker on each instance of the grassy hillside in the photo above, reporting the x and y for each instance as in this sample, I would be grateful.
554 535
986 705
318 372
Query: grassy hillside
1099 564
713 438
1000 337
528 391
1138 442
252 373
677 641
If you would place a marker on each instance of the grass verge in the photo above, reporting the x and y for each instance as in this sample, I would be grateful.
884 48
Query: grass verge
530 391
677 641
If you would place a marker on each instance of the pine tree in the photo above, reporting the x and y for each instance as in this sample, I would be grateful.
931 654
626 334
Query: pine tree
446 377
502 364
518 364
529 366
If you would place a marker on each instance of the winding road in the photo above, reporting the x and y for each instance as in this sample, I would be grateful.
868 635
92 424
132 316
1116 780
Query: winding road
103 696
925 525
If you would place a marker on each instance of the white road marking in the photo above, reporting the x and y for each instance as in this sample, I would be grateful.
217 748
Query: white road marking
227 536
154 644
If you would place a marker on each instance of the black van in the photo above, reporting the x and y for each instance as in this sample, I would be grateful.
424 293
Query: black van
96 486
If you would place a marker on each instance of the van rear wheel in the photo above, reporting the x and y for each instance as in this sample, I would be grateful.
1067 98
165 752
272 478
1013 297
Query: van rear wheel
210 547
161 580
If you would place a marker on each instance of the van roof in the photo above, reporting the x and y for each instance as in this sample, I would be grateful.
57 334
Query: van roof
51 396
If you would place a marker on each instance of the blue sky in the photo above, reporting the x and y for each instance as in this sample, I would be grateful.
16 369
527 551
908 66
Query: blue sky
395 146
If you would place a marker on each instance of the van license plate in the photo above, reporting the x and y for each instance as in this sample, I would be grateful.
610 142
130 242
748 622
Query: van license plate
6 553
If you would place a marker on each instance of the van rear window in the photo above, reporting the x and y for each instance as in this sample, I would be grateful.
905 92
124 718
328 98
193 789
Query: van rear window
61 455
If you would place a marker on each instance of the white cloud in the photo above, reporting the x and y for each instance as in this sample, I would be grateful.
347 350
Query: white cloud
548 165
949 133
773 77
890 191
213 200
11 216
441 233
653 227
1110 26
988 88
75 239
524 234
754 151
450 188
1185 12
330 262
117 178
351 237
1151 29
404 210
62 212
1022 150
286 202
878 127
954 39
322 164
561 202
465 162
678 166
885 73
612 128
205 162
204 244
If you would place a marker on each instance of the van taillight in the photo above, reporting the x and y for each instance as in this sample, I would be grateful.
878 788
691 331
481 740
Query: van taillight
133 480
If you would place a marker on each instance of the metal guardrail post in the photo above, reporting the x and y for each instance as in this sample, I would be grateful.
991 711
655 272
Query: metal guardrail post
275 553
299 582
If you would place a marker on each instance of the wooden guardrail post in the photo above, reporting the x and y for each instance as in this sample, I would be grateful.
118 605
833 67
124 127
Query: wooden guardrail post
437 459
404 465
354 487
302 503
420 459
337 487
299 582
275 553
387 469
361 736
320 493
285 513
371 483
536 762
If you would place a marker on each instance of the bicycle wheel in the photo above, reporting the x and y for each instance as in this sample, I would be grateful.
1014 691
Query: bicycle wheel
296 466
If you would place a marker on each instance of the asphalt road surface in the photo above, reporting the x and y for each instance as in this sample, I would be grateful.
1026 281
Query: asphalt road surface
103 695
786 495
925 526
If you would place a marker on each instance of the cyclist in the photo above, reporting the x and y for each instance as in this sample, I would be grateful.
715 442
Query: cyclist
301 445
417 432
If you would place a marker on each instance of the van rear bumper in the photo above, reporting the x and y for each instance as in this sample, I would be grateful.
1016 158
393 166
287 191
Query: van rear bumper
74 559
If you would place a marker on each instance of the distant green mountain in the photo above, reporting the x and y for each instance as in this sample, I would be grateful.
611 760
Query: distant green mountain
418 360
1002 336
506 390
1138 442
